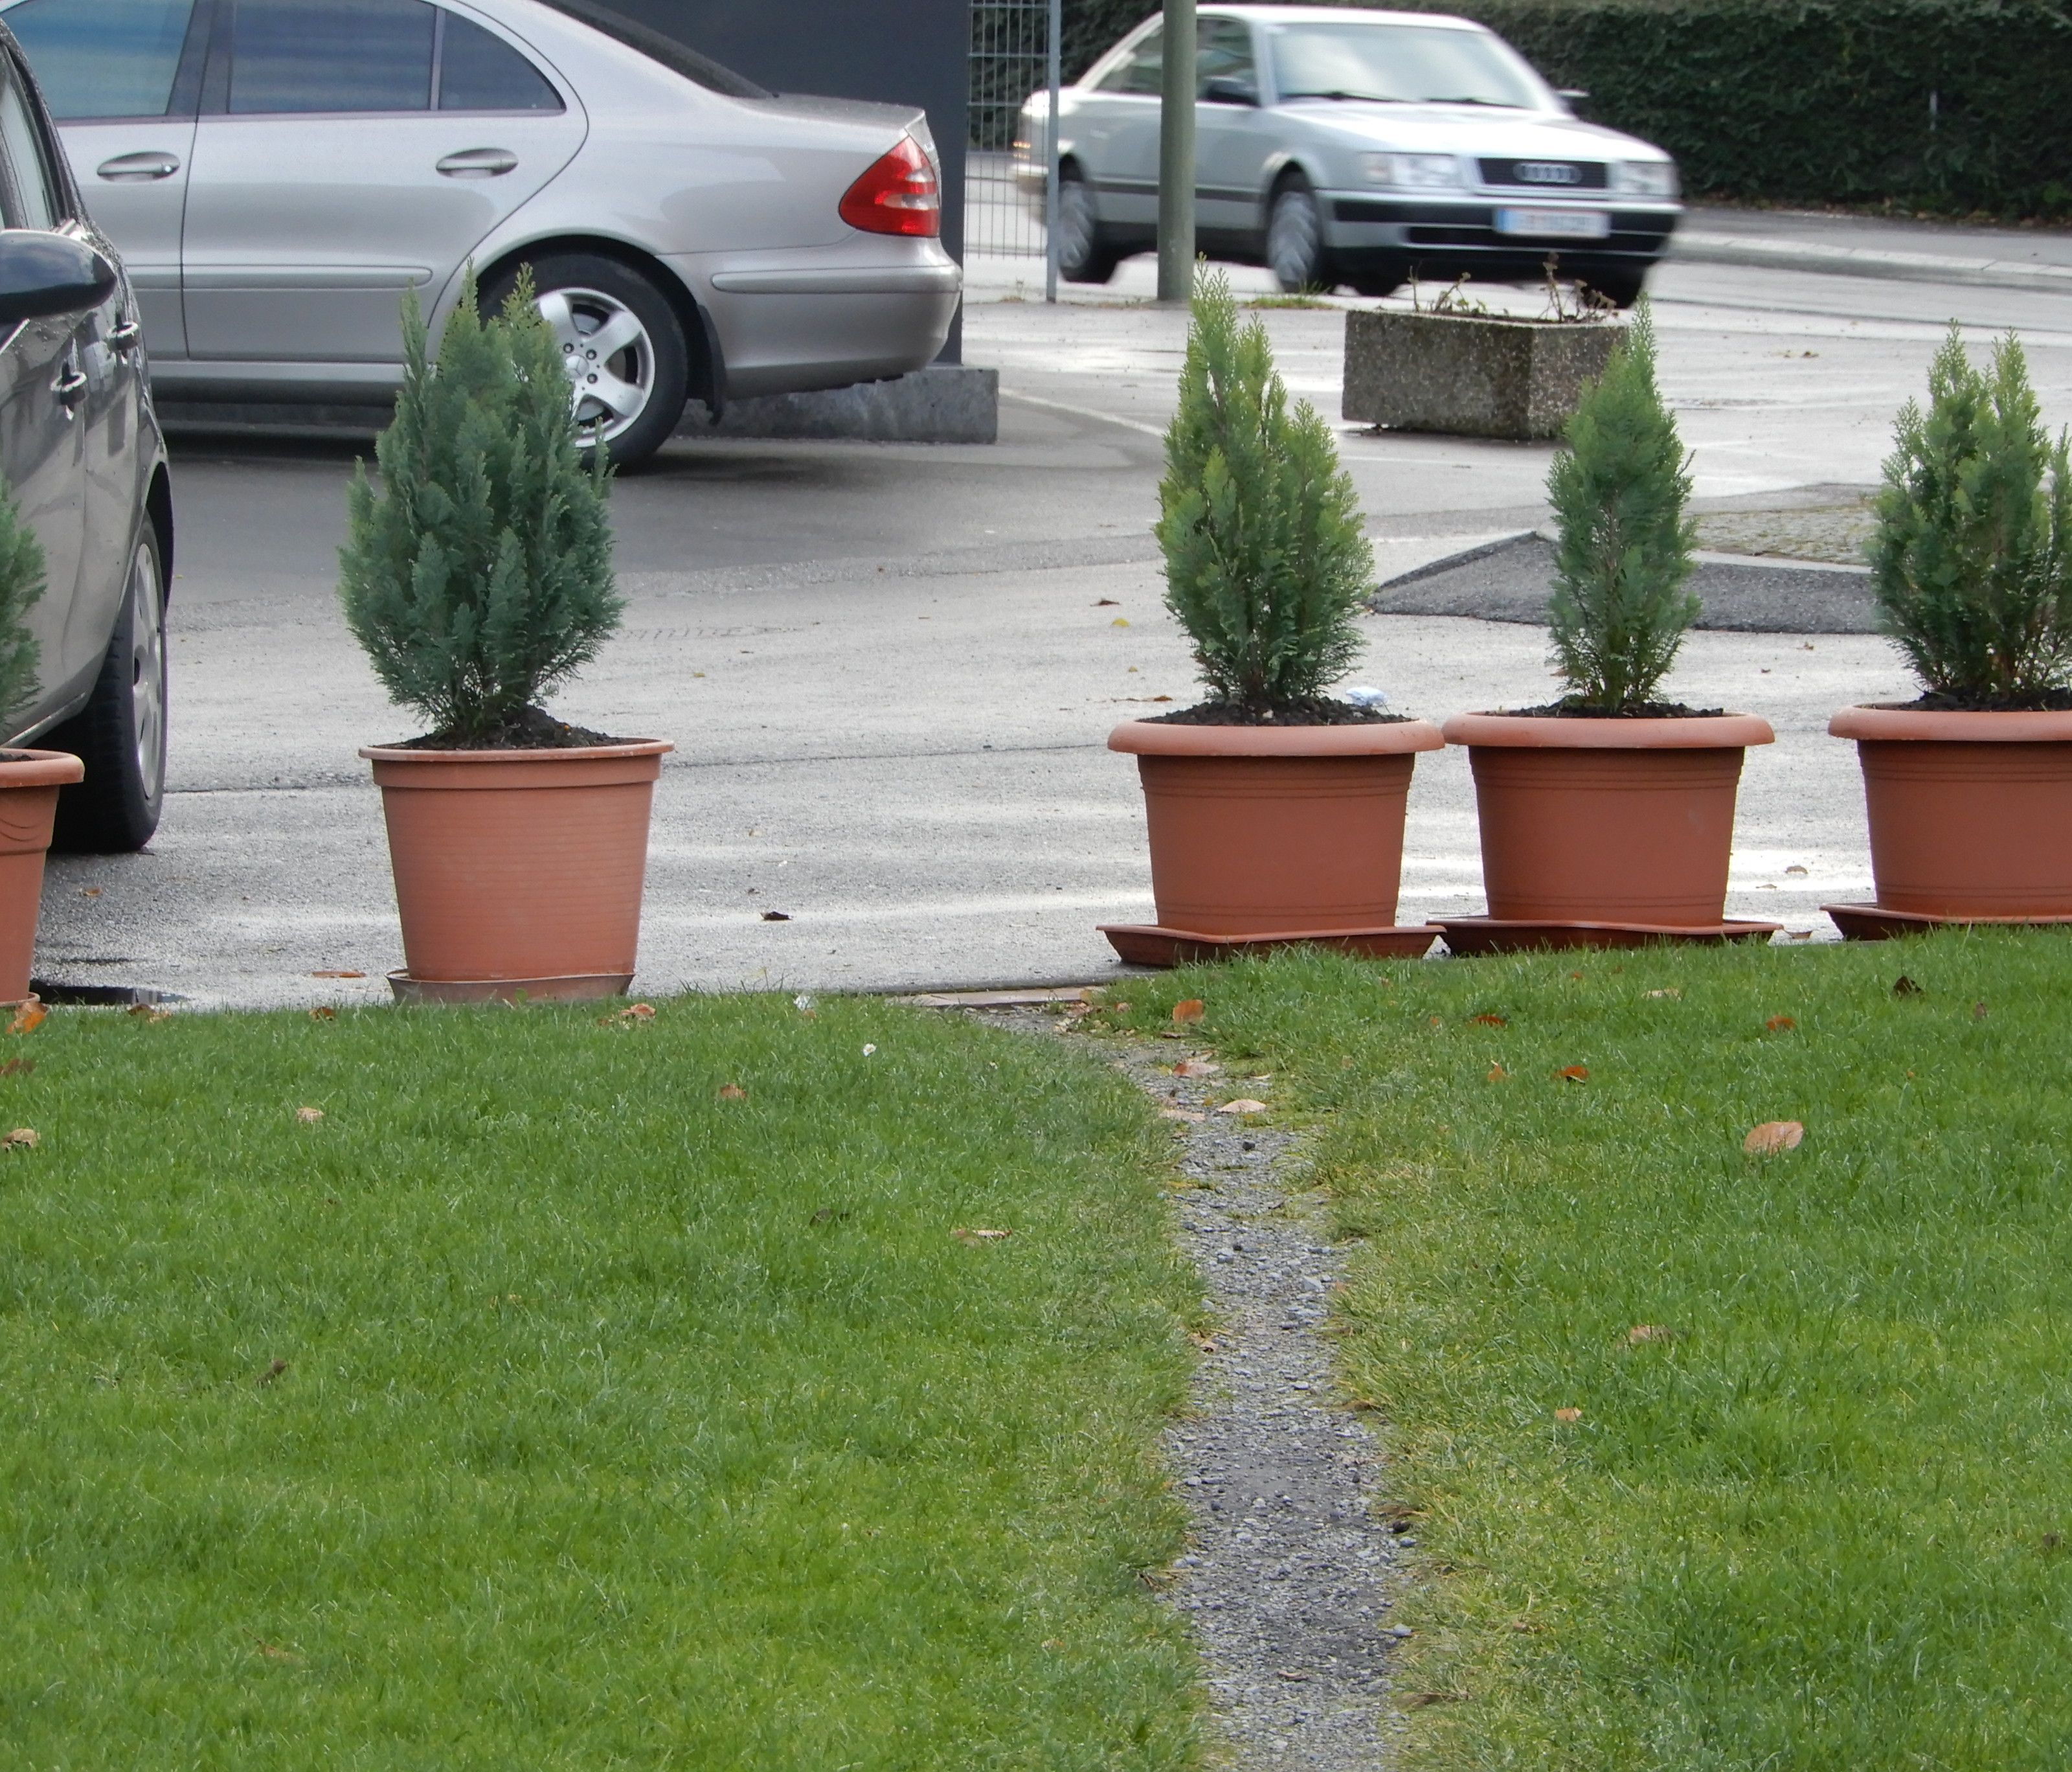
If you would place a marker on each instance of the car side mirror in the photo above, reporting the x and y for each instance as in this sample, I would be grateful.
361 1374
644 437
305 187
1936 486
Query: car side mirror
42 274
1223 90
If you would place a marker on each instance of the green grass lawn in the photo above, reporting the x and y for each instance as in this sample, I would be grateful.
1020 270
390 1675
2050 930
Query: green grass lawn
539 1406
1816 1510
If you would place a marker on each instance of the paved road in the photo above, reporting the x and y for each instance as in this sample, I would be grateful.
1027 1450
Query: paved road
889 670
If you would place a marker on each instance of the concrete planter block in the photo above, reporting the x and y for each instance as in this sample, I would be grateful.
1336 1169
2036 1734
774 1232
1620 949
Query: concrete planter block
1467 376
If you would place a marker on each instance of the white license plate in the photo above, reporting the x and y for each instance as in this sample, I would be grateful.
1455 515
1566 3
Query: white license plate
1555 224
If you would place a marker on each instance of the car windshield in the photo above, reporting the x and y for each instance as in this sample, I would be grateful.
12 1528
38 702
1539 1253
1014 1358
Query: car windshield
1400 64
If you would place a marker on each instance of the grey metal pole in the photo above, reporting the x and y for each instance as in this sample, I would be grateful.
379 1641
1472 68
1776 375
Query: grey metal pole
1176 156
1050 157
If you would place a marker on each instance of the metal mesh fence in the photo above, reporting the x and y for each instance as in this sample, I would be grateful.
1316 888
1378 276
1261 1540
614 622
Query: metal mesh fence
1010 174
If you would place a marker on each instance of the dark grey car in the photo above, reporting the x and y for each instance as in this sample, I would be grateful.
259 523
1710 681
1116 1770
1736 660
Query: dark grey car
81 450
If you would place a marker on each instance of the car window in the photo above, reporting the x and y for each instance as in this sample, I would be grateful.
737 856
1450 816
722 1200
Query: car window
479 72
293 56
1142 70
1225 54
103 58
31 192
1401 64
664 50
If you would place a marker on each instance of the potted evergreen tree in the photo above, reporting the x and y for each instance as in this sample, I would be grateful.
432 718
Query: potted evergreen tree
1607 816
1969 788
1275 812
29 780
478 577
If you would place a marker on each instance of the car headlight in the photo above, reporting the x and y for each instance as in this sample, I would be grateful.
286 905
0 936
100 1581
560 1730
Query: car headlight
1413 170
1649 178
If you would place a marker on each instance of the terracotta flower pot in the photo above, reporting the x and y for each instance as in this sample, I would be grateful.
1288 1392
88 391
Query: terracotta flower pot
1971 814
29 784
1620 825
1267 832
518 870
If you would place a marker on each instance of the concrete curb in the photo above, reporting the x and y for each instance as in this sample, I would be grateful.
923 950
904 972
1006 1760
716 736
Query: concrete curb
944 403
1919 267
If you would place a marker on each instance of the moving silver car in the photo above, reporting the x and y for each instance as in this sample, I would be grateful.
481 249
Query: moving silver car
83 459
277 172
1340 145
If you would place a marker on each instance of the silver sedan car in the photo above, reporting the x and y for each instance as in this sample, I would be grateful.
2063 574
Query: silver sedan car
1349 146
279 172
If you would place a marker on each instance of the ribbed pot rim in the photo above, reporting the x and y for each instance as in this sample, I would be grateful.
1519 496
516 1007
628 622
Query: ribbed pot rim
1953 726
570 753
1377 738
1550 733
21 767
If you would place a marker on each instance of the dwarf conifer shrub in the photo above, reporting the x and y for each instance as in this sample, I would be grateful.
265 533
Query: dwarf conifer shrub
21 581
1623 548
479 575
1266 564
1971 556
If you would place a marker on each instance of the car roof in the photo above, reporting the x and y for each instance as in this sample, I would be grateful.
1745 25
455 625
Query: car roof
1332 15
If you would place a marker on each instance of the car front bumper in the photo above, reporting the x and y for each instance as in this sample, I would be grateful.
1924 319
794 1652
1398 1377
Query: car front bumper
1363 228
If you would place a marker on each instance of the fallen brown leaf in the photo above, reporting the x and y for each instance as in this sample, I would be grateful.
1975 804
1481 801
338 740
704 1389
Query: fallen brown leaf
309 1116
1189 1009
1978 1012
148 1012
1197 1067
1648 1332
1185 1113
732 1092
274 1652
1244 1105
1568 1415
1497 1074
1780 1024
631 1016
17 1067
974 1235
338 974
1106 603
776 916
1488 1021
1796 868
90 892
29 1016
1574 1073
323 1011
272 1372
1295 1674
23 1138
1904 986
1773 1136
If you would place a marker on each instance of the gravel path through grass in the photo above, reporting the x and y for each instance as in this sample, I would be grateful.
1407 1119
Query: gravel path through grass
1288 1572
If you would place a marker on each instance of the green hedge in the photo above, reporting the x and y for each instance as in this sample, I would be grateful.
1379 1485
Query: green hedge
1954 106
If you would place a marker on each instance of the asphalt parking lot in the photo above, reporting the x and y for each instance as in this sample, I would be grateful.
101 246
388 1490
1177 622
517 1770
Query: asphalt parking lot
889 670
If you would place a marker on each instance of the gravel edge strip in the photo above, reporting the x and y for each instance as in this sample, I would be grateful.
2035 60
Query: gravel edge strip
1290 1571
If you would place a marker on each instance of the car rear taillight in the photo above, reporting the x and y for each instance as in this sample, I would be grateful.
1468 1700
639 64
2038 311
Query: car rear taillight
898 194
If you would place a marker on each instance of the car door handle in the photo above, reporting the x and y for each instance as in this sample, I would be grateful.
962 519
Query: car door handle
480 164
70 385
137 168
125 337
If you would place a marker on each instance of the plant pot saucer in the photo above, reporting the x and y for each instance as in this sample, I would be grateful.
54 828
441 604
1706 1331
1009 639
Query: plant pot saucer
1150 944
1875 923
578 987
1471 935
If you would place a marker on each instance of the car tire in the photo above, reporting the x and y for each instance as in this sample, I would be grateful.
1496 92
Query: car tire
630 397
1377 282
1085 253
120 734
1621 288
1295 247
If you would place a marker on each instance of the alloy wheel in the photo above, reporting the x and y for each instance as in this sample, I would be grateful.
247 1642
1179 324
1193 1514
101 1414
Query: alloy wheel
608 356
147 670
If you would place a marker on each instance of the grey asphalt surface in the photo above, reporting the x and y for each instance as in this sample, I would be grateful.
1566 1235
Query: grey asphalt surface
889 670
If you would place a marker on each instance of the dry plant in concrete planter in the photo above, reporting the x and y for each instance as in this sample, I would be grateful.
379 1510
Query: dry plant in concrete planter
29 780
1969 788
1607 817
1275 812
478 577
